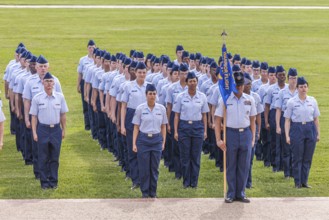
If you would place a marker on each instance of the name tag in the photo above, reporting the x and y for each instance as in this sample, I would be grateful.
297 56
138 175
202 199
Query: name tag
247 102
133 90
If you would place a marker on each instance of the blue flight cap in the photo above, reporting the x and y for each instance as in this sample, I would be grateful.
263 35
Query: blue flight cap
169 65
292 72
213 65
175 68
239 78
22 50
48 76
153 58
122 57
98 53
28 55
243 61
209 60
183 67
192 56
179 48
247 79
140 66
236 68
301 81
248 62
18 49
21 45
229 56
150 87
198 56
149 56
91 43
156 60
107 56
95 50
271 69
185 54
264 66
165 59
190 75
24 54
118 55
33 59
42 60
127 61
135 54
133 64
236 57
113 58
131 52
279 69
139 55
255 64
203 60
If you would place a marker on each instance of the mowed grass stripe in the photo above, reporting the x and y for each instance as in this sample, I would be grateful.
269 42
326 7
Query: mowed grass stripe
169 2
291 38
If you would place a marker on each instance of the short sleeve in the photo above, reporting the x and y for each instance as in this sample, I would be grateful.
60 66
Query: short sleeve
219 109
177 104
125 94
205 107
288 111
34 107
137 116
253 110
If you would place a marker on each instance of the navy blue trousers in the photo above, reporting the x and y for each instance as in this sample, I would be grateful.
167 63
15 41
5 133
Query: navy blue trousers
284 158
190 137
35 155
303 141
253 150
28 145
175 149
49 145
12 120
132 156
273 138
84 105
265 136
149 151
238 152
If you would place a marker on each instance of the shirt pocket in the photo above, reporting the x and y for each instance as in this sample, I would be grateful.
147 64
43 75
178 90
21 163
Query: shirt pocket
42 106
57 106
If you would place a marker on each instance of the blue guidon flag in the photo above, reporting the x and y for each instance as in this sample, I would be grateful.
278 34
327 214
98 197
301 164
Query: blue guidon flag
226 81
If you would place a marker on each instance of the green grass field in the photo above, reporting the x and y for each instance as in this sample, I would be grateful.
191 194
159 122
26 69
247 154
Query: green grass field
292 38
168 2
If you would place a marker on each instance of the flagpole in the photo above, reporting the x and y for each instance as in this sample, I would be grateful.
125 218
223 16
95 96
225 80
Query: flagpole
224 152
224 34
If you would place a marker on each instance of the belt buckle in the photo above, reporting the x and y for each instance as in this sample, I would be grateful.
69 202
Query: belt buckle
190 122
51 126
303 123
150 135
241 129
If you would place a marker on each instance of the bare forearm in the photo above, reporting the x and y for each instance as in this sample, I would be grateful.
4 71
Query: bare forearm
218 127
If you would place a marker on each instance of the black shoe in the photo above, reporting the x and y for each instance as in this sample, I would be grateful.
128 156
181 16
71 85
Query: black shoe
28 162
134 186
194 187
154 196
297 186
145 196
45 187
244 200
54 187
248 187
228 200
305 185
178 177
